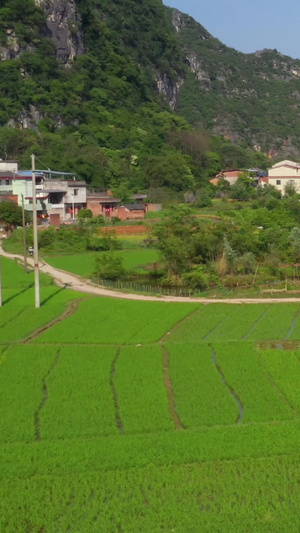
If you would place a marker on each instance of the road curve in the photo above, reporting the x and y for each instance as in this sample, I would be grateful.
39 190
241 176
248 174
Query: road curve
76 283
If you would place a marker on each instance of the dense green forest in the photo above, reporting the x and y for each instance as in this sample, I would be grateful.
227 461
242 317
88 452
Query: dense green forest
101 114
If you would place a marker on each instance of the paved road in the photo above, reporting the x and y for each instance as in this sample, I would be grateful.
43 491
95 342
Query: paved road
76 283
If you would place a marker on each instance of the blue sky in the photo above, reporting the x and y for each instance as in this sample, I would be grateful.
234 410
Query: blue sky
248 25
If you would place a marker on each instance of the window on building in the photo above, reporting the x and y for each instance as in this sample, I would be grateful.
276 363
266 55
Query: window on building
278 182
6 182
75 192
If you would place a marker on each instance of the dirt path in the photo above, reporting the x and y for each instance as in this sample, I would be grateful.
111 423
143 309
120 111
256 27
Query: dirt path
76 283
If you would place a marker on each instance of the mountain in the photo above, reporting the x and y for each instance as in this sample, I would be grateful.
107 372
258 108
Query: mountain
108 89
249 97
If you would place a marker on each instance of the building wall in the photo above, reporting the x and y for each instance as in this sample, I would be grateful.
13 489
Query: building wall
54 219
154 207
281 181
231 179
125 214
79 198
94 206
284 171
8 166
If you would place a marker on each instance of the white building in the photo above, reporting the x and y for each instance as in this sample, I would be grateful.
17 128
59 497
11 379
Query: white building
284 173
57 193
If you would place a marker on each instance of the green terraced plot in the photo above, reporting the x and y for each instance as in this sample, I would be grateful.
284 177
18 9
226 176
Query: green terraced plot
142 397
84 264
276 324
201 397
260 400
284 369
147 416
79 397
109 321
202 324
22 371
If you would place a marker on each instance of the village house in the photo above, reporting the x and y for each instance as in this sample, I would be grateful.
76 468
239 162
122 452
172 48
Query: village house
57 195
230 175
105 204
285 173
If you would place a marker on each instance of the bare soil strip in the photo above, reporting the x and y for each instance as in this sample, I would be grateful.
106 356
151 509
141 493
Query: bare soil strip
37 415
170 393
293 324
279 345
119 422
71 309
231 390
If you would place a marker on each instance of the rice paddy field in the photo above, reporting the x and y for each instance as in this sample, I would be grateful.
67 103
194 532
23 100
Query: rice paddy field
123 416
84 264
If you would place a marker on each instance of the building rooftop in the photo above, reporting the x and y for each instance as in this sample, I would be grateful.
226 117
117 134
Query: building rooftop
134 207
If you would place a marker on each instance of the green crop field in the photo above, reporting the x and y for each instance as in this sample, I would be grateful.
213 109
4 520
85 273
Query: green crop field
123 416
84 264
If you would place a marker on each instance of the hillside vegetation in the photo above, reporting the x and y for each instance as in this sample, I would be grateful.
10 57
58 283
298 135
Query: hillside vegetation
249 97
95 100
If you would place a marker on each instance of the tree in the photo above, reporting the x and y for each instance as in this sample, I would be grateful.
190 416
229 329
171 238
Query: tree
175 239
294 239
11 214
84 214
108 265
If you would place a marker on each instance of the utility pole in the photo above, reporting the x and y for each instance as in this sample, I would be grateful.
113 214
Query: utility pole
24 235
35 237
0 284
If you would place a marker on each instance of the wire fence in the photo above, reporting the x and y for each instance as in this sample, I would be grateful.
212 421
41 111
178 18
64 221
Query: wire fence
144 288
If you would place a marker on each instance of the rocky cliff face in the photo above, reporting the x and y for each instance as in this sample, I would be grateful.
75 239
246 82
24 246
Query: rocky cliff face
13 48
63 27
252 97
170 90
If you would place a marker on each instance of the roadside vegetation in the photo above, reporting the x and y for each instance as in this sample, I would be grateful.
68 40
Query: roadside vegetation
243 239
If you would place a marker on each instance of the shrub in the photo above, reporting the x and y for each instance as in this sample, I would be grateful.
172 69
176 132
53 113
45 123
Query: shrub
108 265
196 279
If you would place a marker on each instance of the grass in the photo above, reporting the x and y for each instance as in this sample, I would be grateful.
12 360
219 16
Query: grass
88 439
84 264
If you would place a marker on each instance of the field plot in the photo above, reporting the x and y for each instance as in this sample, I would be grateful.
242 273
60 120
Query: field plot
202 324
220 323
142 397
215 496
84 264
109 321
22 371
147 416
13 276
240 323
79 397
201 397
261 400
284 368
276 324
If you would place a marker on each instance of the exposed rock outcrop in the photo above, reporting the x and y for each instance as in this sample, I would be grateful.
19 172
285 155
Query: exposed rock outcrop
63 27
169 89
13 49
